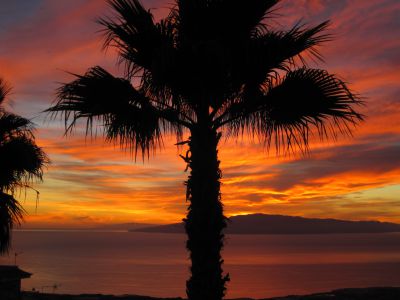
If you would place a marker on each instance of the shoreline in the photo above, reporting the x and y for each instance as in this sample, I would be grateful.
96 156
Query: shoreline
371 293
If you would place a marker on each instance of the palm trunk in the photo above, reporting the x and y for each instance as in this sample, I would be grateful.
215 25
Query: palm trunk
205 220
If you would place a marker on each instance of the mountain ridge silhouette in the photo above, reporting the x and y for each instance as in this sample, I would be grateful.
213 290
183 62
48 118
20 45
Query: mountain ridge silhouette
281 224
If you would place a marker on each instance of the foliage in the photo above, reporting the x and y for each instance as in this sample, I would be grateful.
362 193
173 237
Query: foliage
21 161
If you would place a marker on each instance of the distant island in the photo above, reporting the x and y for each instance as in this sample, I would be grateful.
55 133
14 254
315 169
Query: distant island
279 224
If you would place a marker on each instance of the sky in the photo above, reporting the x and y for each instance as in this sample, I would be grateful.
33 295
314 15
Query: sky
91 182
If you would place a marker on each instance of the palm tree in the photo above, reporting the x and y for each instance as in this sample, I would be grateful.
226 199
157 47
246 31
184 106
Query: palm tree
211 67
21 162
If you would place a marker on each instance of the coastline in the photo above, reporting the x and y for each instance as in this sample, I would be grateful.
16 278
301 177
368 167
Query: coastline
371 293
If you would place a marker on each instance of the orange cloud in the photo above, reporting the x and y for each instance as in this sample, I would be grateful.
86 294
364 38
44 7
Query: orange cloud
93 182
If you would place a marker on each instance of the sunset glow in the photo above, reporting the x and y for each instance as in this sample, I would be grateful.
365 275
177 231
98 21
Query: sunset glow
90 182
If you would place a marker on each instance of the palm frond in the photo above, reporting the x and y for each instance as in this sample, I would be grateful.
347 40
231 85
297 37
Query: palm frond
200 20
4 90
275 51
291 107
289 44
134 34
126 114
21 162
13 125
11 214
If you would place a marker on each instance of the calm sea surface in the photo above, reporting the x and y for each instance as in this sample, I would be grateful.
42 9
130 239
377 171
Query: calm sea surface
156 264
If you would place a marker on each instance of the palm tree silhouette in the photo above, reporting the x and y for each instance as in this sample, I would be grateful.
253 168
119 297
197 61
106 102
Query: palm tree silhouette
21 162
211 67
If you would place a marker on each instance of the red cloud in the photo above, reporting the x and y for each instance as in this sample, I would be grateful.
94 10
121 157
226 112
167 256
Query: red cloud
97 180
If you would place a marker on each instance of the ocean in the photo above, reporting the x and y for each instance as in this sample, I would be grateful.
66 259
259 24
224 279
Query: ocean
155 264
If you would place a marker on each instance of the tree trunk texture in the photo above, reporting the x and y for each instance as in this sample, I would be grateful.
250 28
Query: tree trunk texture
205 220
